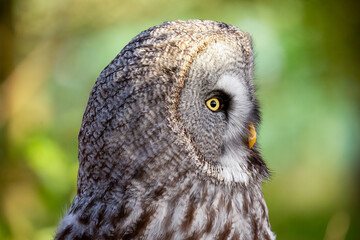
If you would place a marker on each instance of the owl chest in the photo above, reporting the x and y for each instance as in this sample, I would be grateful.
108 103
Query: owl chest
209 214
196 213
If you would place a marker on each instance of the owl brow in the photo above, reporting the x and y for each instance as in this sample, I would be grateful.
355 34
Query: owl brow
226 98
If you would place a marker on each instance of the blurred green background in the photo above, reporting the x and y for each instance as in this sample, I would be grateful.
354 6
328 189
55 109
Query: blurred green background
307 72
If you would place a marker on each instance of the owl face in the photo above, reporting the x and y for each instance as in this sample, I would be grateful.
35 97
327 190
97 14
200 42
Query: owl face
217 107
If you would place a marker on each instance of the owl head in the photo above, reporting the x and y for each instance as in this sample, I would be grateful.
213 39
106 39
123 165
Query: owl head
178 100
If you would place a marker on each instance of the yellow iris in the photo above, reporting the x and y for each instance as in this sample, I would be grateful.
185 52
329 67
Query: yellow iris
213 104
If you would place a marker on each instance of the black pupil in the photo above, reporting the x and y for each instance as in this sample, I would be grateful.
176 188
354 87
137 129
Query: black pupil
213 103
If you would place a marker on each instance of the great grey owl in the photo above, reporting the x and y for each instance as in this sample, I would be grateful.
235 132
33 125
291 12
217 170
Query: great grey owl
165 146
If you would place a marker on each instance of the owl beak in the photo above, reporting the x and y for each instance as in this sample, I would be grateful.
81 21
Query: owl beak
252 136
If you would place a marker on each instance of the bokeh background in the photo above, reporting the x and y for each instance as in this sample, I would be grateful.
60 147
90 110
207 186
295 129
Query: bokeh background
307 72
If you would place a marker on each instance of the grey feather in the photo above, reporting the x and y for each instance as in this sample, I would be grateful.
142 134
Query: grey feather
154 161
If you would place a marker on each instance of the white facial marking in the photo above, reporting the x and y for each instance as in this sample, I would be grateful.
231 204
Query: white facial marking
241 104
233 161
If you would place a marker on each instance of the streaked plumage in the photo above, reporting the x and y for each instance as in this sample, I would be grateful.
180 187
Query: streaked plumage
154 161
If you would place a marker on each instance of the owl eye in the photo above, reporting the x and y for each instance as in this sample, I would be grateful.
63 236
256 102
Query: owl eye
214 104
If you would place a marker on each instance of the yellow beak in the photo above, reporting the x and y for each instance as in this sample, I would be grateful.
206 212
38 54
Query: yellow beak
252 136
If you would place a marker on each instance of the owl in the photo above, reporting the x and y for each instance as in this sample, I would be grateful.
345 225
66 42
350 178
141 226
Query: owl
167 142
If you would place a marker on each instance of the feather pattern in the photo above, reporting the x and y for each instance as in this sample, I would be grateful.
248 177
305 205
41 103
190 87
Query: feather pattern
144 171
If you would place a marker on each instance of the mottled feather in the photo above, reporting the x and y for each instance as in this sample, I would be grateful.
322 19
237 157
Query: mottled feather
154 162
